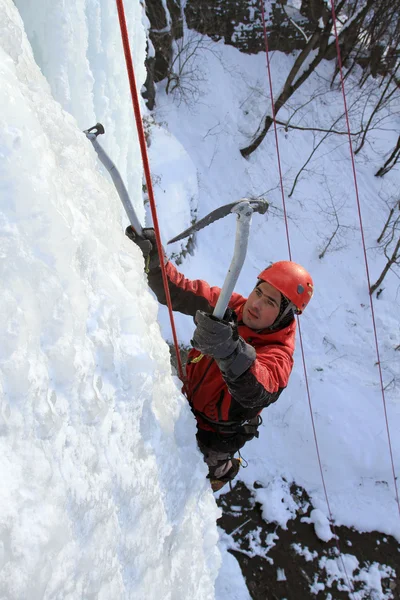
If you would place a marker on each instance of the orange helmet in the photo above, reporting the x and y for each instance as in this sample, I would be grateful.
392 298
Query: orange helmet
292 280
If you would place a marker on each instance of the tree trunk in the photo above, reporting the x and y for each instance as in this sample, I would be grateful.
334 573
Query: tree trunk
389 263
393 158
376 109
380 238
289 88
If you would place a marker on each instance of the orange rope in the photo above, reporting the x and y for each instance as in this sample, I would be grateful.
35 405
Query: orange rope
146 167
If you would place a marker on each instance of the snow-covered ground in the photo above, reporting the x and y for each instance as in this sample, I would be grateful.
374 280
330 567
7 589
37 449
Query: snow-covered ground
104 492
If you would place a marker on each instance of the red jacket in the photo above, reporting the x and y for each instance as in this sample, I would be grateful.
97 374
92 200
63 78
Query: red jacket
213 397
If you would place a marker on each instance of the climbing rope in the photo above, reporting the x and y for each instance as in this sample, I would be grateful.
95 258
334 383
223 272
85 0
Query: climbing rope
278 155
298 321
378 362
146 167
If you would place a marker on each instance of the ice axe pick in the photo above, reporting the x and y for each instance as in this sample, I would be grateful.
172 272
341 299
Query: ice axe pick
244 209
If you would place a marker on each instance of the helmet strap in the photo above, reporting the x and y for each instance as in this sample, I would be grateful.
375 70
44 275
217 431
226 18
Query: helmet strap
290 307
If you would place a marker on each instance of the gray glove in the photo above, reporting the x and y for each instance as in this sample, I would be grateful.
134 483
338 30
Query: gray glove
221 340
215 337
148 245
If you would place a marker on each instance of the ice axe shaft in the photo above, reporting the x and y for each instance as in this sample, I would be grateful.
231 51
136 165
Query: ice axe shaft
244 213
92 134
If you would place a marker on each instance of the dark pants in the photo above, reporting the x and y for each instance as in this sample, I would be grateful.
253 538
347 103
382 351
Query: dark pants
229 443
219 448
218 462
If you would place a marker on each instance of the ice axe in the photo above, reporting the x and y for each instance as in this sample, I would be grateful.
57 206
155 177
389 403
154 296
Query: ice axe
92 134
244 209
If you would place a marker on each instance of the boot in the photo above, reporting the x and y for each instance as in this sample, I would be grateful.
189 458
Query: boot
218 483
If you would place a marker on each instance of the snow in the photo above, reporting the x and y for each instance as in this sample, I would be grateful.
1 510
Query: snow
344 569
280 575
230 583
104 492
305 552
321 524
372 579
277 504
78 49
174 178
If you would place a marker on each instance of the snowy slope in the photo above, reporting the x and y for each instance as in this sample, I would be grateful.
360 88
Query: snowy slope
103 491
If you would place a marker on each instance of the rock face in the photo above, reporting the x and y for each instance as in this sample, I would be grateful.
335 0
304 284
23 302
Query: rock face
237 22
166 25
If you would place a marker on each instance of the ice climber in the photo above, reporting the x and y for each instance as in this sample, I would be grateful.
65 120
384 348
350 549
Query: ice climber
248 356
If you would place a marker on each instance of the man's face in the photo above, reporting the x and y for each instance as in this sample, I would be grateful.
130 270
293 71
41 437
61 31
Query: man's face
262 306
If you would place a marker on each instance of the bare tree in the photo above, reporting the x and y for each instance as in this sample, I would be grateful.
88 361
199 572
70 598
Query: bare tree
391 161
321 44
382 102
321 141
185 73
184 78
375 47
369 34
335 241
387 223
394 259
390 239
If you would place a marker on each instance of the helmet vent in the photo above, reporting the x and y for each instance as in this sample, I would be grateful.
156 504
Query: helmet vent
300 289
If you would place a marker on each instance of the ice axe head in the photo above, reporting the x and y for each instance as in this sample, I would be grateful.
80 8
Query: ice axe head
242 206
96 130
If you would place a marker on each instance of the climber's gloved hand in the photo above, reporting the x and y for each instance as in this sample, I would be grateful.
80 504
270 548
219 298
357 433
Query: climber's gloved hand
148 245
220 339
216 337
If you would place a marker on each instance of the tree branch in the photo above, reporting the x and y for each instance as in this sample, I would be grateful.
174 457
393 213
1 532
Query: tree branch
288 126
392 260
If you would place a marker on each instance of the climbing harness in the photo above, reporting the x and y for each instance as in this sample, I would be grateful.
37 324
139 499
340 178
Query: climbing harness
248 427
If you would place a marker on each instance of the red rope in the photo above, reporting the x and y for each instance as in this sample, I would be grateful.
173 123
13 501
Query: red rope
298 321
275 128
339 56
146 166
